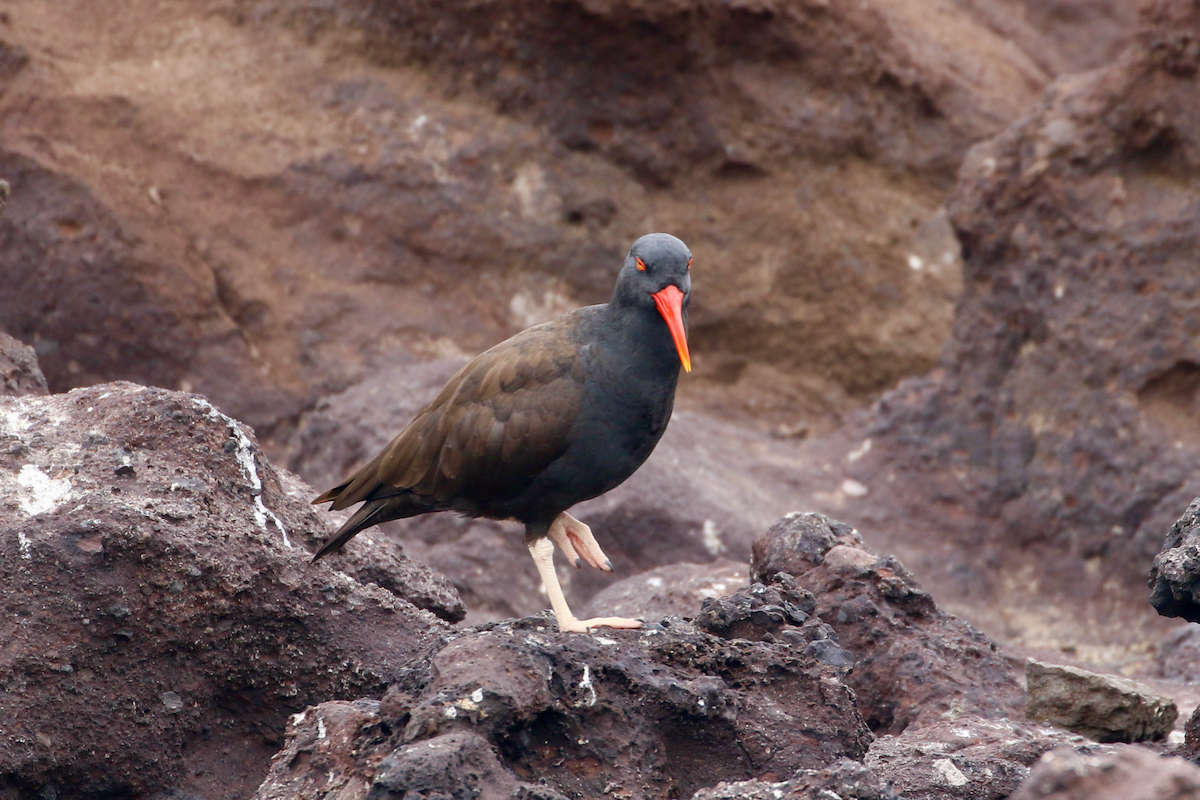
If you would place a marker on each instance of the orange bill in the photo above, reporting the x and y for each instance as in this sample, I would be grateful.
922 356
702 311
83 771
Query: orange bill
670 305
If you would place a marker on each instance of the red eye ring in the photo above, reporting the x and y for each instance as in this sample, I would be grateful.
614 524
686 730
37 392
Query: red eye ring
641 265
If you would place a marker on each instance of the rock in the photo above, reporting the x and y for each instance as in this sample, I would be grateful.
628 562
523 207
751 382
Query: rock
1191 738
1176 655
912 661
160 613
319 760
1175 577
19 372
844 778
965 759
1058 438
658 712
269 266
454 765
1102 707
319 746
676 590
1120 773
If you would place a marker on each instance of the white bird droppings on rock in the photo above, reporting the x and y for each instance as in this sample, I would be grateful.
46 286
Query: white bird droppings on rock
859 452
245 457
42 493
587 686
712 538
853 488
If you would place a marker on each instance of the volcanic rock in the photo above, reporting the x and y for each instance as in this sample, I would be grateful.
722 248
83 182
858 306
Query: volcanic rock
662 711
432 177
1058 438
1102 707
1175 576
160 615
844 778
19 372
676 590
913 661
1123 772
1191 738
967 758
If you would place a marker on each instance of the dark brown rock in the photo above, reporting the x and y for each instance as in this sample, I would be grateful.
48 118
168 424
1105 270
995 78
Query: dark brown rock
659 712
1123 772
1191 738
844 778
320 745
912 661
1175 576
19 372
160 614
967 758
676 590
448 183
1058 440
323 743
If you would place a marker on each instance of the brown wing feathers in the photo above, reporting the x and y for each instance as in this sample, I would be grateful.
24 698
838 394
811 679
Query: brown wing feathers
498 423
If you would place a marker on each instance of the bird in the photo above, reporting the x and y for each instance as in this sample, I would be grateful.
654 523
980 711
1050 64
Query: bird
557 414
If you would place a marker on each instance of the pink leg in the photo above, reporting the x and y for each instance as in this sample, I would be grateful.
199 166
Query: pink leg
542 551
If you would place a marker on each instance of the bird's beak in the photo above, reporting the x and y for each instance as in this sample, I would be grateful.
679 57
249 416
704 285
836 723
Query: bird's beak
670 305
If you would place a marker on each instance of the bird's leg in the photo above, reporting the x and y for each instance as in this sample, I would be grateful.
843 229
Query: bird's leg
542 551
575 539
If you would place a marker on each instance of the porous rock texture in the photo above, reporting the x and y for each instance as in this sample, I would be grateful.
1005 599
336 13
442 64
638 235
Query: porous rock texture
1190 749
1102 707
967 758
1122 772
914 663
19 371
1058 438
160 616
651 713
676 590
844 778
1175 577
261 200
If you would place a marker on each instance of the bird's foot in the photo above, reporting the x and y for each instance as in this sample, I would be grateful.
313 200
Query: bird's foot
577 543
573 625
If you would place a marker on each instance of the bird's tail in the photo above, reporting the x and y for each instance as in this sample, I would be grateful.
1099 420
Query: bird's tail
366 516
373 512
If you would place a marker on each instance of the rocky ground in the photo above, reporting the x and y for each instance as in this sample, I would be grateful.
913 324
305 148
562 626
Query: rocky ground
299 218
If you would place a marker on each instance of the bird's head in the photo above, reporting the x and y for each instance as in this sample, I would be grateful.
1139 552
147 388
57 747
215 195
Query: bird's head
657 274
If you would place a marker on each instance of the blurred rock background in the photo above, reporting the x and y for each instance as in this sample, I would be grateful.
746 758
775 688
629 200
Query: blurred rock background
946 285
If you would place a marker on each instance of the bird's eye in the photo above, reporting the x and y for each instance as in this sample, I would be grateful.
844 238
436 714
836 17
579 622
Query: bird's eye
689 263
641 265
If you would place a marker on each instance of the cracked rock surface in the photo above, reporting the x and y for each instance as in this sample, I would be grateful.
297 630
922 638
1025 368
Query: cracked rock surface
659 712
159 613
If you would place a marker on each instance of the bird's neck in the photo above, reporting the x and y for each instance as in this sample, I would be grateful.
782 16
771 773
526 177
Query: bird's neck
640 338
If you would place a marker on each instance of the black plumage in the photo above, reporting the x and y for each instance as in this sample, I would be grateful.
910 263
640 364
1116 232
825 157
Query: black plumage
557 414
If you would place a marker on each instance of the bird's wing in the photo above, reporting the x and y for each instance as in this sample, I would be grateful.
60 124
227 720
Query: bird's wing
499 422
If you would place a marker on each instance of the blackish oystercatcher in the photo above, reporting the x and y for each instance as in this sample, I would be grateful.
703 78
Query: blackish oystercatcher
560 413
